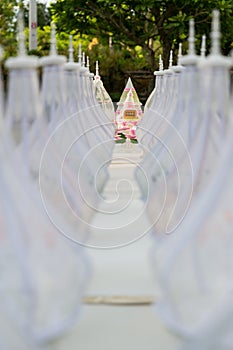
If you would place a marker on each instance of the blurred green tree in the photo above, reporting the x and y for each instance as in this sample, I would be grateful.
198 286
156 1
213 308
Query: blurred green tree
8 24
143 22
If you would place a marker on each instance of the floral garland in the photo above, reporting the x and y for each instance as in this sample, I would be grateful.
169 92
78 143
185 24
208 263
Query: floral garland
125 130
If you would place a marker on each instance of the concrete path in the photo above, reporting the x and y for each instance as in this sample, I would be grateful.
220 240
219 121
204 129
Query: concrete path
122 271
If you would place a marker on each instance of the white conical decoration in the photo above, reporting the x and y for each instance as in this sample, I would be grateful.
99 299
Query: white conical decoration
53 58
179 54
71 50
194 264
171 58
167 142
50 266
128 87
191 57
215 58
22 60
191 38
23 104
83 59
152 102
150 99
178 68
129 110
97 70
88 64
72 81
203 46
102 95
53 92
160 63
80 53
215 33
95 130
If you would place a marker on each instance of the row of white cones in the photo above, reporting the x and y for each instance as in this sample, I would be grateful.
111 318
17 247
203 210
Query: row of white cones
56 143
186 182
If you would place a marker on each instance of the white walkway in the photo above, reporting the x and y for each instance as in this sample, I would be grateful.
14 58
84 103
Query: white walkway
120 272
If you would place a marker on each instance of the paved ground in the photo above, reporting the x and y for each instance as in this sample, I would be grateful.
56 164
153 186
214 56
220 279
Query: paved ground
122 271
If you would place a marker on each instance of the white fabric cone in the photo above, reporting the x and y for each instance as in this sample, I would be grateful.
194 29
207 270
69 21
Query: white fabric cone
195 266
55 266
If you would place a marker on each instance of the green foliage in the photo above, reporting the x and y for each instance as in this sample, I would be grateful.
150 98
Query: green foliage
134 140
120 141
7 16
145 24
114 64
43 42
141 22
140 30
7 25
116 60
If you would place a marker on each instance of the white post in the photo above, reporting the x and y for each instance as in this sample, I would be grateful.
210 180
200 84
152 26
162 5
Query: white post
32 25
110 42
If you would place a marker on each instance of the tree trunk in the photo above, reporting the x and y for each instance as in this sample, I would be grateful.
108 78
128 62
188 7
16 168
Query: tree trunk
166 53
151 58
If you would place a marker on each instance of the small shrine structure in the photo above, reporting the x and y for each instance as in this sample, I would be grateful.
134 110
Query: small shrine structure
128 113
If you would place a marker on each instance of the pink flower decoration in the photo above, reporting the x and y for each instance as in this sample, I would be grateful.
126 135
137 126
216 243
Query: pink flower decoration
123 129
133 133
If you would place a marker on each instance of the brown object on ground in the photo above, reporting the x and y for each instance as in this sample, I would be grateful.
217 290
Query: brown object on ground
119 300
